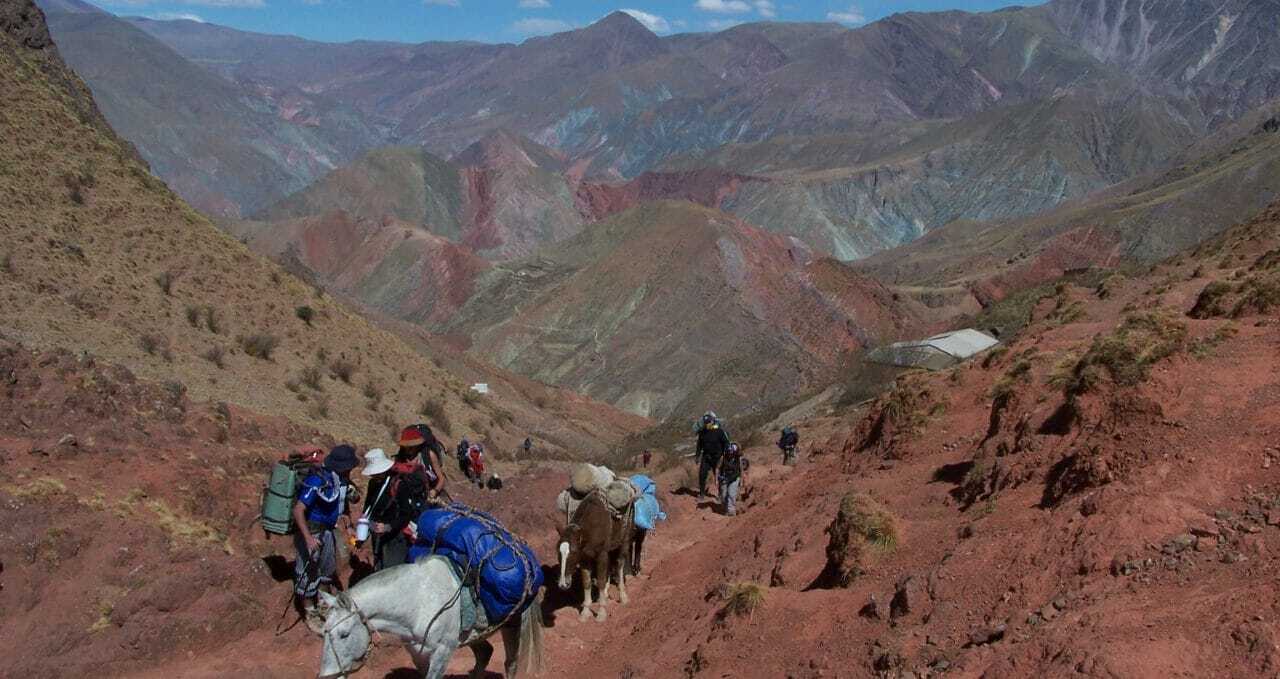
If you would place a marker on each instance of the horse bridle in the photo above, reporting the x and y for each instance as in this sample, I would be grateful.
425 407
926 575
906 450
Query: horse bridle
347 602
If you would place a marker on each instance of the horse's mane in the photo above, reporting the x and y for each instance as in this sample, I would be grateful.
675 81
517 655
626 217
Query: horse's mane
375 578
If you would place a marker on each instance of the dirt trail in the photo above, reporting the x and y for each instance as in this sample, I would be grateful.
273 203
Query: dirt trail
570 642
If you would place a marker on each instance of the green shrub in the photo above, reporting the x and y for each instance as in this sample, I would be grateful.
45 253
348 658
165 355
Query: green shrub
1127 353
305 313
259 345
1203 347
1258 295
1210 302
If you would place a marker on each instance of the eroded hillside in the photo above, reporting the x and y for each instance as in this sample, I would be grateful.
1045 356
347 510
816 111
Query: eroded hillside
99 256
671 307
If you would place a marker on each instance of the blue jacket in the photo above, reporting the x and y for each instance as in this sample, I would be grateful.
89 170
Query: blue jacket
323 494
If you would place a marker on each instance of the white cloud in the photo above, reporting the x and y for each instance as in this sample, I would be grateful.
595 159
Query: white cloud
766 8
723 6
533 4
652 22
853 15
178 16
538 26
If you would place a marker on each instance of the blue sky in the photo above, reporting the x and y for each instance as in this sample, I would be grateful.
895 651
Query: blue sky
511 20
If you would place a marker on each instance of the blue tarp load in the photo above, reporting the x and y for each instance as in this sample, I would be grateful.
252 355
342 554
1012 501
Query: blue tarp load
648 511
509 576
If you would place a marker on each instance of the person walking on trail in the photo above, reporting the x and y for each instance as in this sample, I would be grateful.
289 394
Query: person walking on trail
712 443
475 462
411 486
787 444
322 500
731 474
528 446
463 447
380 506
419 444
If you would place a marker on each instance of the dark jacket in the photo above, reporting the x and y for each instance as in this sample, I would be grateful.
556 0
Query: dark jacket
712 442
732 466
789 440
380 509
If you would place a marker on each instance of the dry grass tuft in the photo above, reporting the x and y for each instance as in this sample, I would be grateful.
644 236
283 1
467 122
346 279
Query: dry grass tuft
742 599
165 280
1127 353
312 378
259 345
433 410
38 489
342 369
860 527
182 528
156 345
216 355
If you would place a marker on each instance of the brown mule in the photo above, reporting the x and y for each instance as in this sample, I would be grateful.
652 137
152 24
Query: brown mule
597 538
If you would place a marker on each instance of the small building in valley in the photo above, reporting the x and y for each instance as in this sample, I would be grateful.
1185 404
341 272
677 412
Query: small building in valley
935 353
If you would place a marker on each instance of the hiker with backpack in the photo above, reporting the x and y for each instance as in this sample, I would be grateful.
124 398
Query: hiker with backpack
712 444
787 444
322 500
463 446
731 475
398 492
418 443
475 462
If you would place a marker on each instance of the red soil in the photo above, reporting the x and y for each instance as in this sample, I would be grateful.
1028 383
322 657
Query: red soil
1136 538
705 187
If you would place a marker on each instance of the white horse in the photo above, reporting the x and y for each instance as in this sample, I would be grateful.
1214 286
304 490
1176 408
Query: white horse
417 603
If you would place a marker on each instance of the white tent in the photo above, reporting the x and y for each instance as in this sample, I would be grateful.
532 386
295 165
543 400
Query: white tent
935 353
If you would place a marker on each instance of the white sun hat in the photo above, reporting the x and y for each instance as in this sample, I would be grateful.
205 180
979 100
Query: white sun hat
375 462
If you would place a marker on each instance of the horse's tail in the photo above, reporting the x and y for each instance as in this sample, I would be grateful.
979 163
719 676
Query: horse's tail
530 657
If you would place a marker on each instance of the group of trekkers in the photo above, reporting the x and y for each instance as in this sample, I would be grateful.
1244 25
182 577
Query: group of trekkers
398 490
402 486
720 458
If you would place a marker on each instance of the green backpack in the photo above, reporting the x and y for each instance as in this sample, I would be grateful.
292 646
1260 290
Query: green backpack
281 493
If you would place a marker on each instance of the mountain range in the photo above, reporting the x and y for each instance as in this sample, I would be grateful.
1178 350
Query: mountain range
495 195
615 100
